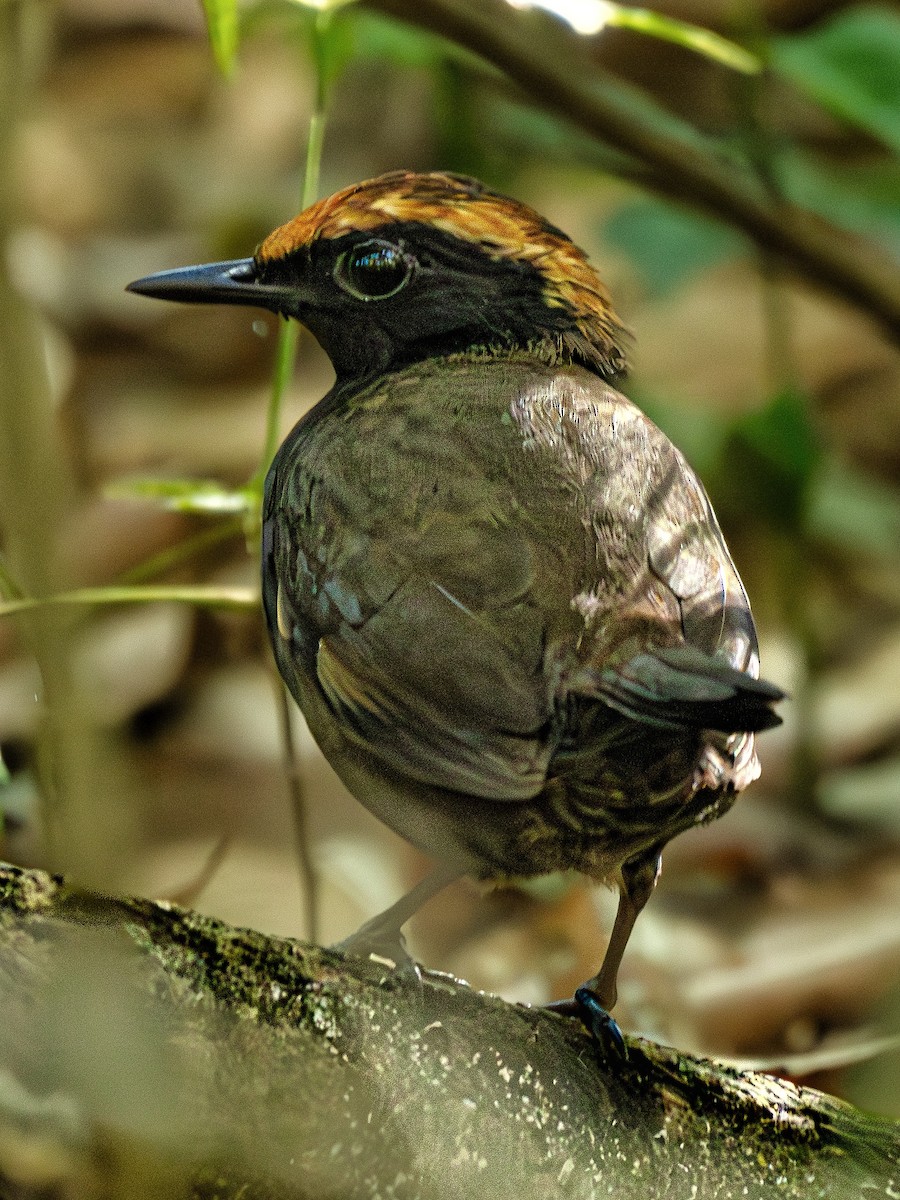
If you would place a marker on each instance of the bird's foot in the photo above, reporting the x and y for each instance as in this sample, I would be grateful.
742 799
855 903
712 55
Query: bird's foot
384 946
603 1028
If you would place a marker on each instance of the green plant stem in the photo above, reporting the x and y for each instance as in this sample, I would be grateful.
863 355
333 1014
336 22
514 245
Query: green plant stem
681 33
314 149
85 826
793 555
239 598
34 486
285 359
294 775
9 588
182 552
288 334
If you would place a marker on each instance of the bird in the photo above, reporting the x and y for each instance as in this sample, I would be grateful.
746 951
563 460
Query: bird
496 590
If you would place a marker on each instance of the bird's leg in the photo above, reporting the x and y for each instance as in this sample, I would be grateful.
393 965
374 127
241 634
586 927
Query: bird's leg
639 876
381 937
595 998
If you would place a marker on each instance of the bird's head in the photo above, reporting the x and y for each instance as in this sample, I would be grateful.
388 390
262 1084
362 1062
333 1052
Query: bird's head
408 266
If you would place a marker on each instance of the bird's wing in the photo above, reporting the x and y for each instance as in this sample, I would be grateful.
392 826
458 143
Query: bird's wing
436 695
668 639
409 588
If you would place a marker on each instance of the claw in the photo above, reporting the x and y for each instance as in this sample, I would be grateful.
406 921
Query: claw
380 940
387 948
602 1027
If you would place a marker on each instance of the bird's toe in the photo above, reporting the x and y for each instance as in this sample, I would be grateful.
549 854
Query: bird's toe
384 946
601 1025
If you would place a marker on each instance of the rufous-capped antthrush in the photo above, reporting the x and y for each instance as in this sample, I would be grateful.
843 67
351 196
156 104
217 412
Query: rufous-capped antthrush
496 590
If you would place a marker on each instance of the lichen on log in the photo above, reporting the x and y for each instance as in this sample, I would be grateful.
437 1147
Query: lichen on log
146 1050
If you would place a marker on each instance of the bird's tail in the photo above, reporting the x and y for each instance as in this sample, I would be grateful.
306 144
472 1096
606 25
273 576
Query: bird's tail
684 688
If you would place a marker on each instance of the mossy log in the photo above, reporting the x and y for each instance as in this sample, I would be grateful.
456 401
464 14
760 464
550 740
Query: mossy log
151 1051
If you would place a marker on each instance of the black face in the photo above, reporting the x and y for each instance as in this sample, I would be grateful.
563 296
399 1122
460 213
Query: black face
409 293
381 300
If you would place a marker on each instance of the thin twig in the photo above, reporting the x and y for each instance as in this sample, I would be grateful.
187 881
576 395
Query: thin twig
183 551
240 599
188 893
288 333
285 358
294 776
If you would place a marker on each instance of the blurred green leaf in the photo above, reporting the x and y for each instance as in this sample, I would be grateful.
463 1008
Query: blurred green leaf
771 460
698 433
869 792
380 38
4 780
859 197
222 26
669 245
519 129
185 495
851 66
850 509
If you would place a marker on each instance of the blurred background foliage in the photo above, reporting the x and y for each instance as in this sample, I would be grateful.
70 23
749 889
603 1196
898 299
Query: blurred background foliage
144 746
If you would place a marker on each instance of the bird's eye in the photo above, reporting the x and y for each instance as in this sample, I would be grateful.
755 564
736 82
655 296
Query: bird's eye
373 270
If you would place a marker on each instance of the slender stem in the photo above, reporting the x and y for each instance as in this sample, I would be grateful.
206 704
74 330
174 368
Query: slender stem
188 892
760 152
288 334
9 588
781 360
314 149
285 358
240 599
35 486
183 551
681 33
793 554
792 551
294 775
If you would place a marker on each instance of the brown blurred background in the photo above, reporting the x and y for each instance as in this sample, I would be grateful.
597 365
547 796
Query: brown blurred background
774 936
